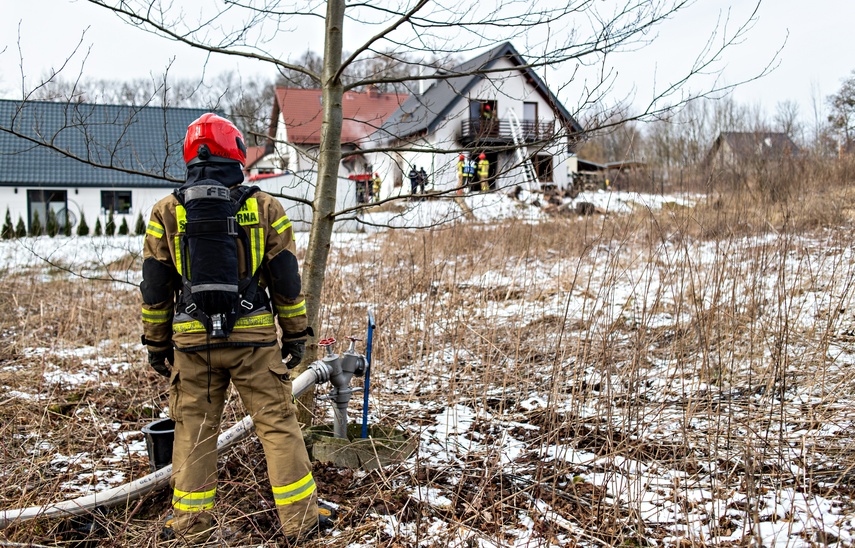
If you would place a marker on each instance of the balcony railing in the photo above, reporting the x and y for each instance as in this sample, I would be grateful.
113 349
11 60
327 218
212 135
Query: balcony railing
477 130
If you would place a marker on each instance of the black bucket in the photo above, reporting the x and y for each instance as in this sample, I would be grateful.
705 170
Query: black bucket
158 441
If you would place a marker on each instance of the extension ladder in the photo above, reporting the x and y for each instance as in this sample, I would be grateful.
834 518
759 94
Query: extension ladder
522 151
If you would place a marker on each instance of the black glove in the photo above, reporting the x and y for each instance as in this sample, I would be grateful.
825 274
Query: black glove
294 348
158 360
292 352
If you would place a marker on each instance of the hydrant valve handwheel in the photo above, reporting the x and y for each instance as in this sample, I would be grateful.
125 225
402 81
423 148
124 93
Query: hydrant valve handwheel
327 345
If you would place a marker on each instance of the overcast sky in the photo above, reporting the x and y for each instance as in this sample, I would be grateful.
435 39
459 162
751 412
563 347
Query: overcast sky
816 38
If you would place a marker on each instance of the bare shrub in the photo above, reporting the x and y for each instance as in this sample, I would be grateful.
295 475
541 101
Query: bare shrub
607 379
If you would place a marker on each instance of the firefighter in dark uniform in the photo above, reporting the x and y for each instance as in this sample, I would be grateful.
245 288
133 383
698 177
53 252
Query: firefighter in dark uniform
251 357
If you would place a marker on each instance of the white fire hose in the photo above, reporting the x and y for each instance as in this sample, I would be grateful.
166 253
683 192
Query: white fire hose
318 372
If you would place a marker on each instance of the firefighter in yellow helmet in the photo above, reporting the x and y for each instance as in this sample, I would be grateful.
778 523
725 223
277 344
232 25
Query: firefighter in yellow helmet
484 172
208 350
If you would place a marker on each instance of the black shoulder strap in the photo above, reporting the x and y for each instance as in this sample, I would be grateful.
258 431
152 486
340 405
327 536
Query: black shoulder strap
240 194
179 195
248 286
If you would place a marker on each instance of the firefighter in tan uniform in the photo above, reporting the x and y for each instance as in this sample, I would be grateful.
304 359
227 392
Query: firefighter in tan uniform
250 357
484 172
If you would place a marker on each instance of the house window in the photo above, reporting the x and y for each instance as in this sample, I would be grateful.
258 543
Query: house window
41 202
530 112
482 109
543 167
529 122
482 118
117 201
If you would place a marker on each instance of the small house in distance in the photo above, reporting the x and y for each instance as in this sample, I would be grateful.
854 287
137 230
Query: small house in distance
739 150
757 160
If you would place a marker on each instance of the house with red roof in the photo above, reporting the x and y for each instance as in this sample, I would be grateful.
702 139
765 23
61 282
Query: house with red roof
295 130
494 105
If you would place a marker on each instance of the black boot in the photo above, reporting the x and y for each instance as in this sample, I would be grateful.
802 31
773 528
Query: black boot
326 516
326 519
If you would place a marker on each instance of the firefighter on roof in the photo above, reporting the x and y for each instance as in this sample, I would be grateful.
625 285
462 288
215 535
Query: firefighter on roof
245 351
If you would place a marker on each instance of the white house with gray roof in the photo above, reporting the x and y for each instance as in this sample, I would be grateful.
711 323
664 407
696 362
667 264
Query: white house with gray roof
494 104
79 159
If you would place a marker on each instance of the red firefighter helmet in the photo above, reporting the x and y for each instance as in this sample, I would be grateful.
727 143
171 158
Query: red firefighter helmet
462 157
482 156
486 107
212 138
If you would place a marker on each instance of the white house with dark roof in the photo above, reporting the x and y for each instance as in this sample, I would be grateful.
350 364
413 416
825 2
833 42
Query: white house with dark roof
80 159
493 104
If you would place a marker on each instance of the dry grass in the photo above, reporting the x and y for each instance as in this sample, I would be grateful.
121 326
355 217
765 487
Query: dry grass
686 339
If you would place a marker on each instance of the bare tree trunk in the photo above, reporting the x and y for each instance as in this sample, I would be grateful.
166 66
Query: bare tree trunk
325 194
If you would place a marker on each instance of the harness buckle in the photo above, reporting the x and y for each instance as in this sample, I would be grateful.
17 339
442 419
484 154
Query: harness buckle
190 308
246 304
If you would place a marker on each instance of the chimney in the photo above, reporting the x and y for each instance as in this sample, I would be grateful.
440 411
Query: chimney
373 91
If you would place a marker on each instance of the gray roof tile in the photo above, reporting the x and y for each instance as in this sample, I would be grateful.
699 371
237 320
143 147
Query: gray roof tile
135 139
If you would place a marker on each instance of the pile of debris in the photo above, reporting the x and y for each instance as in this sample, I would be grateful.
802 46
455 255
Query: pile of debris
555 201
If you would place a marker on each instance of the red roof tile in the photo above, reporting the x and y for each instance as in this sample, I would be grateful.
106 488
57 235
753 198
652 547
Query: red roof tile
254 154
363 113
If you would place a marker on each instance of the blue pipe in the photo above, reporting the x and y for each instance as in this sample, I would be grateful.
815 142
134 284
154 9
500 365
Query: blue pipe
369 338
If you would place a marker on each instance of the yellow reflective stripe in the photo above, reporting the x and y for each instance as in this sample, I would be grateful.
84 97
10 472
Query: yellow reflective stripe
256 242
289 494
181 217
248 214
193 502
154 229
188 327
156 316
289 311
281 224
260 320
178 254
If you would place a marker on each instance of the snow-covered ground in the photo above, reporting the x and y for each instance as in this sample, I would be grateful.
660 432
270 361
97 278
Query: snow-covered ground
497 206
686 393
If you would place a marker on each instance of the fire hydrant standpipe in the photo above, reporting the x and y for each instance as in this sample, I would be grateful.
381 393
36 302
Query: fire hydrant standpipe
328 369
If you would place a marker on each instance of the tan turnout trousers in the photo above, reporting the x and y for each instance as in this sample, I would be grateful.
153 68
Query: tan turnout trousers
262 381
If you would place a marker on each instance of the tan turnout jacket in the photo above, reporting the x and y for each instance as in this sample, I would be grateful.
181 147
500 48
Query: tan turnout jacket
270 234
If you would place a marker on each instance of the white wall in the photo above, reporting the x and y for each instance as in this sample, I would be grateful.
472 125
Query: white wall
86 202
16 202
301 158
302 185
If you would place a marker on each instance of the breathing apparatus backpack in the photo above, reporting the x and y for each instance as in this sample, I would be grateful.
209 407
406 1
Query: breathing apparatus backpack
213 291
